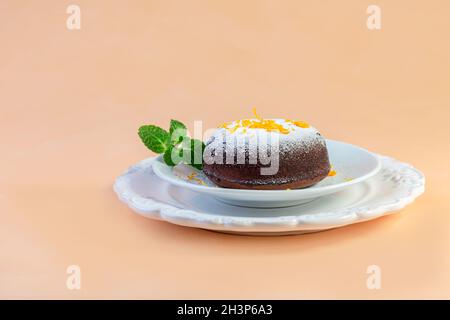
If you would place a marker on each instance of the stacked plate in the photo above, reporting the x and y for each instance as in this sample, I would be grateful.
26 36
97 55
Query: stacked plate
365 186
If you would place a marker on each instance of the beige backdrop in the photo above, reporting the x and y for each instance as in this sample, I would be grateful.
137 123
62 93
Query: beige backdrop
71 103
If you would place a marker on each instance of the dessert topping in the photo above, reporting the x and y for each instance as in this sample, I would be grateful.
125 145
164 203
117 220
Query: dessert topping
260 123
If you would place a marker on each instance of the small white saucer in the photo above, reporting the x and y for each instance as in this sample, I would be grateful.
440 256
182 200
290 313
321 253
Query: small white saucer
351 164
392 188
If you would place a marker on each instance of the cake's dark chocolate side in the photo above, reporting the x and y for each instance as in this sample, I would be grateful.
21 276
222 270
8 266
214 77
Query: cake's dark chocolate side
298 168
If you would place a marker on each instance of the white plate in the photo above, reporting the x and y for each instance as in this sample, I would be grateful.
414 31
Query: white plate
352 165
392 188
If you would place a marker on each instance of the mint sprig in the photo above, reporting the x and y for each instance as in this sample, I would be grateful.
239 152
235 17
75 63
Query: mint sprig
154 138
177 131
175 145
193 153
173 156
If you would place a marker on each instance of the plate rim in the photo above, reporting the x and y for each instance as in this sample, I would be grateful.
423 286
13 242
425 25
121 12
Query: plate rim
151 208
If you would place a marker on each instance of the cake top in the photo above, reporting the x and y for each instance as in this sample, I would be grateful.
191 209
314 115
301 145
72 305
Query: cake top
250 134
281 126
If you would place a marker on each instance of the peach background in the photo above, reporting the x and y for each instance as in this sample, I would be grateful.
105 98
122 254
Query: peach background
71 102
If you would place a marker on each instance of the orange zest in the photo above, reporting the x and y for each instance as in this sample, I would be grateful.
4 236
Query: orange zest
301 124
260 123
256 114
192 177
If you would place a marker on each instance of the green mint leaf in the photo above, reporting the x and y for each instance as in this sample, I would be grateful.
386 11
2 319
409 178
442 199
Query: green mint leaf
193 153
173 156
154 138
177 131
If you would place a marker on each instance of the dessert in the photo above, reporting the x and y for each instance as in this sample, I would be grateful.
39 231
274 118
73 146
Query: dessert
266 154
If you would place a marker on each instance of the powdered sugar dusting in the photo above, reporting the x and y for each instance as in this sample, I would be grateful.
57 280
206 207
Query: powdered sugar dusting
242 141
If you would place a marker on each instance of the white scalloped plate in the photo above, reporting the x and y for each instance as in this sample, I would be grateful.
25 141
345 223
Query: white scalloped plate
392 188
352 165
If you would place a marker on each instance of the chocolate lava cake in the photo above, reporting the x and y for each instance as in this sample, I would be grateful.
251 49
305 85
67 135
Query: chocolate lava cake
268 154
